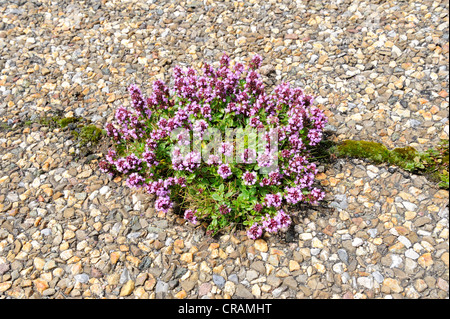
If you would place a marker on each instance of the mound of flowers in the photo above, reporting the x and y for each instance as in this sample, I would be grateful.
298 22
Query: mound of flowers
220 147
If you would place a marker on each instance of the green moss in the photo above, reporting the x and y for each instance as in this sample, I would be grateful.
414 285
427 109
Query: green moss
407 158
405 153
4 126
363 149
90 134
434 163
48 121
67 120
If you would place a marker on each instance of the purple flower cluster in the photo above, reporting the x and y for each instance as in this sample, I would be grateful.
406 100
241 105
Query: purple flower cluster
163 203
294 195
265 159
274 178
147 128
129 124
189 162
255 231
214 160
224 209
190 215
273 200
135 180
249 178
281 221
226 149
316 195
224 171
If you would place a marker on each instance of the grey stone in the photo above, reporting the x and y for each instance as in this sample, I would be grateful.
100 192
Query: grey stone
233 278
343 256
290 282
243 292
188 284
277 292
219 281
125 276
422 221
378 276
366 282
373 232
82 278
273 281
161 223
251 274
258 266
4 267
161 287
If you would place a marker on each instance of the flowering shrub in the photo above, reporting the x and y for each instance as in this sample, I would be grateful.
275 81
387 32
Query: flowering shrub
161 145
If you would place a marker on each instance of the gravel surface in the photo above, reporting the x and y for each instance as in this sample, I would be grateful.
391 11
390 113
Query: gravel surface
69 231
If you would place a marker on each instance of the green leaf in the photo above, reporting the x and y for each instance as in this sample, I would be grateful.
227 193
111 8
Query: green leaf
217 197
229 194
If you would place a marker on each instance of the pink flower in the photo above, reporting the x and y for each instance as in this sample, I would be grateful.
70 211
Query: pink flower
200 127
258 207
283 220
270 224
214 160
265 159
254 121
254 232
294 195
255 63
316 195
224 209
249 178
135 180
273 200
106 167
189 215
315 136
163 204
226 149
224 171
248 156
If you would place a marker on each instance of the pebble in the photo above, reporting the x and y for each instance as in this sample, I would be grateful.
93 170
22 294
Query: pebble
127 288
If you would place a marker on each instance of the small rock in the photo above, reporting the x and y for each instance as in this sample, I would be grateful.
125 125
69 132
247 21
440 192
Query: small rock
204 289
161 287
127 289
4 268
357 242
393 285
219 281
422 221
425 260
82 278
5 286
420 285
243 292
229 288
343 256
261 245
277 292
